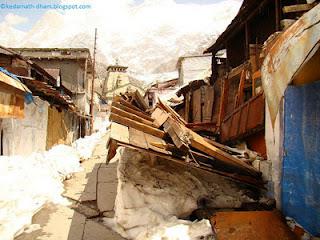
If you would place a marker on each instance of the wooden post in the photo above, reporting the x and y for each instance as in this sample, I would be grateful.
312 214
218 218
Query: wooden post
246 28
93 77
277 13
187 107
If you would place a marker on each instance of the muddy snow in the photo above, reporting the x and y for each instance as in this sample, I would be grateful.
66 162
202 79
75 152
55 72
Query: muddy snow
155 201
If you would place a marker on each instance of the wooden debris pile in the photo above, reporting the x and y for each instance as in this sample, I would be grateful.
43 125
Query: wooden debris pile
163 133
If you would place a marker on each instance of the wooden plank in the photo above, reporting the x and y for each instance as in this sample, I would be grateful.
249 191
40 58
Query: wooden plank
137 138
208 104
140 100
239 96
174 131
119 132
224 100
173 113
112 149
223 147
187 106
298 8
139 126
154 142
159 117
131 110
125 103
196 106
199 143
131 116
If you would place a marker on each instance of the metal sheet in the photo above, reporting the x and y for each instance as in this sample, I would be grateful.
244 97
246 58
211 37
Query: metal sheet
287 56
301 163
262 225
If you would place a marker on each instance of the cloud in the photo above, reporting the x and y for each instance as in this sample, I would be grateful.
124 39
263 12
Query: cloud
13 19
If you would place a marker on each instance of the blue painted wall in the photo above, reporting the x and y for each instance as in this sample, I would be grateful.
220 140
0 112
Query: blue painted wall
301 162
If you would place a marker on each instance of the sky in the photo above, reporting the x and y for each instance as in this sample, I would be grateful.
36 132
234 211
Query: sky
30 17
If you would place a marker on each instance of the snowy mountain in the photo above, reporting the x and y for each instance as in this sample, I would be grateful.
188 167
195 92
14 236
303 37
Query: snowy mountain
148 37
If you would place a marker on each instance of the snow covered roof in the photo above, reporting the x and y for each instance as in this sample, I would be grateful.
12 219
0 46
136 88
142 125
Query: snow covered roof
55 53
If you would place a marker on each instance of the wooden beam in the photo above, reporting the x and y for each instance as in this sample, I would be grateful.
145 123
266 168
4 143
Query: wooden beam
199 143
131 116
223 101
133 111
278 14
173 113
187 107
137 138
159 116
239 98
112 149
174 131
129 105
139 126
298 8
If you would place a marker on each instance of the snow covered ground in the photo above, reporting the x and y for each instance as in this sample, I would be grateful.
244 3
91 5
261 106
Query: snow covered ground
27 183
151 199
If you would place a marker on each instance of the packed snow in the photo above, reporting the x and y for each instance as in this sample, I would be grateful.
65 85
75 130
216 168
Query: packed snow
27 183
152 200
86 145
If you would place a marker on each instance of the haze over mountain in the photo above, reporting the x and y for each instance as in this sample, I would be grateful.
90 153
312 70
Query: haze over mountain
148 37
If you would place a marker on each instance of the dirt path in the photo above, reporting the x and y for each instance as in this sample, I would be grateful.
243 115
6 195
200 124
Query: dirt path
80 220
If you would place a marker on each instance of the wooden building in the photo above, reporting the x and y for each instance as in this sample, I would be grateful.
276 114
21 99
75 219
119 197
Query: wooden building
49 117
232 106
71 67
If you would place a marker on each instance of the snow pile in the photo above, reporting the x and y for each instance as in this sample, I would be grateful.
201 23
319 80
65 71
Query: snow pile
86 145
148 197
27 183
179 230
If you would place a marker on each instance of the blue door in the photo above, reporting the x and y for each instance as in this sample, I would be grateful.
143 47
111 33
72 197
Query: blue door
301 162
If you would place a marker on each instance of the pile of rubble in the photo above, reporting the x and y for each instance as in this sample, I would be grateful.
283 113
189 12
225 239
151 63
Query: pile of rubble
169 176
163 133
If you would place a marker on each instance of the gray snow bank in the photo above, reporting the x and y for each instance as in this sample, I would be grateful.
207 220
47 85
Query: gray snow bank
27 183
151 198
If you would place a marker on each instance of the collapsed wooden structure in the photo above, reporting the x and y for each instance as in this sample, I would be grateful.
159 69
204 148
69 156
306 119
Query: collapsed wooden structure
163 133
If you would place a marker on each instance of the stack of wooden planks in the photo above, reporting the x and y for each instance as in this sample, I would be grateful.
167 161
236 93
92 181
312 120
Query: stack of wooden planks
163 133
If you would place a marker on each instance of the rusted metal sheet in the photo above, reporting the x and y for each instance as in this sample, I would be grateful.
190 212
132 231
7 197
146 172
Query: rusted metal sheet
244 120
262 225
288 56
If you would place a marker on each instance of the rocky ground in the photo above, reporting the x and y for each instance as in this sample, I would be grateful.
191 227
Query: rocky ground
81 219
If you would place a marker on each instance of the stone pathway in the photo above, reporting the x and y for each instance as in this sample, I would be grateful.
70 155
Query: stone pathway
92 193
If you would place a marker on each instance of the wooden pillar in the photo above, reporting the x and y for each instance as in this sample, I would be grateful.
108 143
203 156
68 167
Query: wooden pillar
277 13
247 39
187 107
223 101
